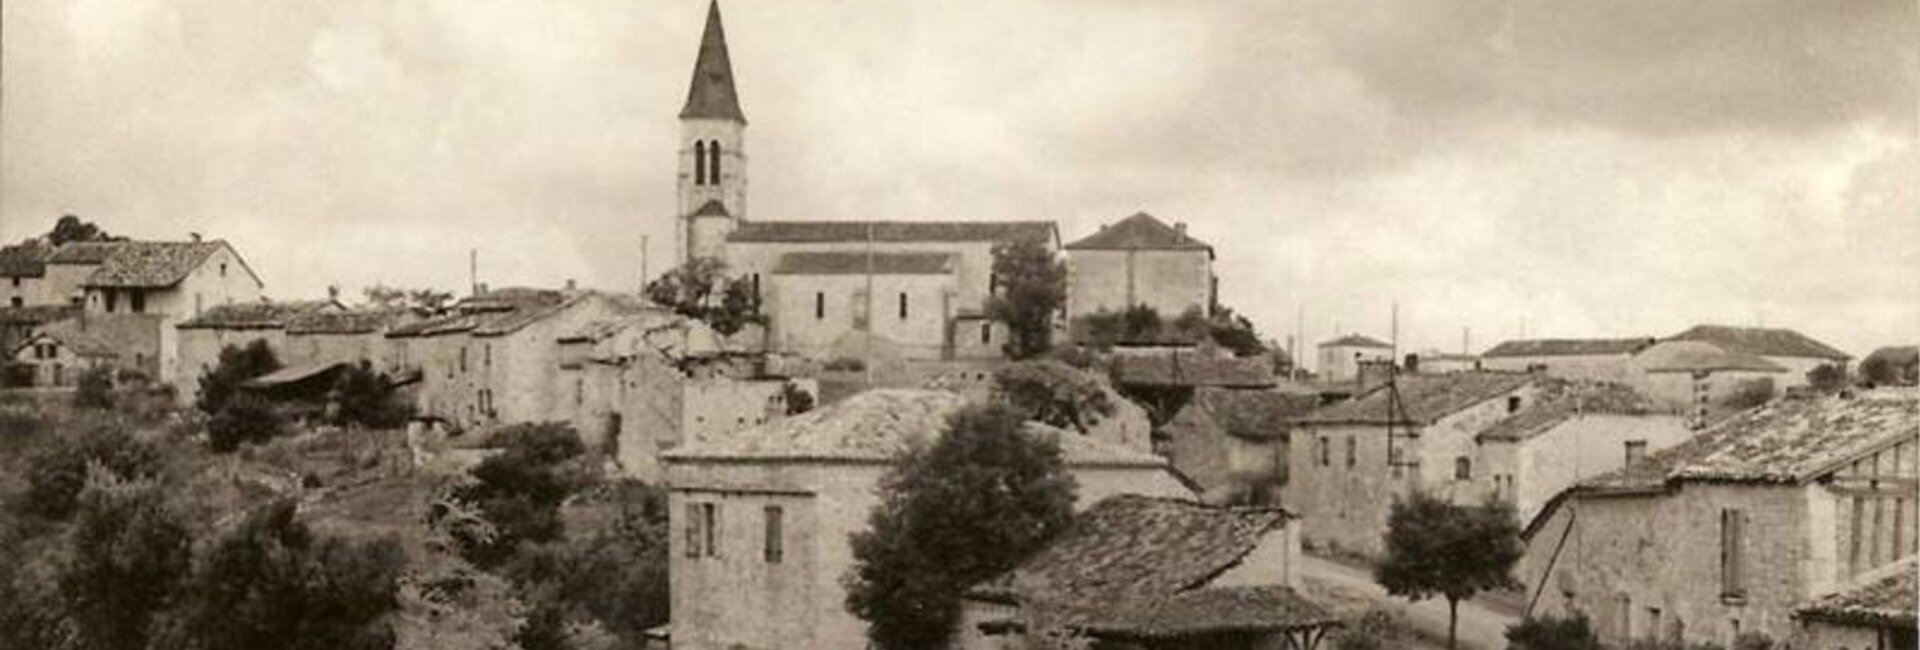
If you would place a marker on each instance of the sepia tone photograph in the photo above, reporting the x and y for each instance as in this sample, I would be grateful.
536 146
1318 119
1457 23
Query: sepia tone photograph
942 325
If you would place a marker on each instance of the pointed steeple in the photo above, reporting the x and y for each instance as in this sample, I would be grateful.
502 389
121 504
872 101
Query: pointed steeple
711 95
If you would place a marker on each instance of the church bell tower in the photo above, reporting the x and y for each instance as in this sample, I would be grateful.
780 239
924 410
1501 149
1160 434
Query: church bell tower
713 160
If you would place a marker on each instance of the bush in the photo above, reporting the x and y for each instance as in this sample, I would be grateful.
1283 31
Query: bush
519 490
1553 633
237 364
58 472
615 578
1053 393
94 389
1377 629
798 400
129 554
245 418
368 399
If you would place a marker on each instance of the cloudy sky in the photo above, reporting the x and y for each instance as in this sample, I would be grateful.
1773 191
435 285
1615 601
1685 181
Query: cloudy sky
1573 167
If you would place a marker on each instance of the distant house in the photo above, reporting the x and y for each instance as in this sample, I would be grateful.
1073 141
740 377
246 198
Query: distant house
1593 359
1441 363
1796 352
23 273
773 506
56 357
200 338
1902 363
1139 261
1233 442
129 343
1142 572
1875 611
18 323
1738 528
1700 377
1572 430
1340 358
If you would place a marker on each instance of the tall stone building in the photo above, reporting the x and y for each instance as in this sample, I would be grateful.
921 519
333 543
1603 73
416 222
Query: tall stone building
713 170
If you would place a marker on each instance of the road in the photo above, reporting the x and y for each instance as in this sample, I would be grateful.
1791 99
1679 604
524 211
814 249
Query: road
1481 627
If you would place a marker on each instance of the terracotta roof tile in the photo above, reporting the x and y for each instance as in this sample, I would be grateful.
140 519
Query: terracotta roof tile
1784 441
1561 400
1219 609
844 263
362 321
83 252
37 314
1699 356
25 260
1254 414
892 231
1888 600
1762 341
1568 347
1139 232
1423 398
147 264
255 315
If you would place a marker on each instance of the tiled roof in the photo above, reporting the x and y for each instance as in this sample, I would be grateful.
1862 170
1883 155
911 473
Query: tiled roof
1699 356
1423 398
892 231
495 313
711 94
876 426
151 264
1888 600
1561 400
343 321
27 259
37 314
255 315
80 342
1763 341
1357 341
1136 565
1191 368
1139 232
1568 347
83 252
1784 441
841 263
1253 414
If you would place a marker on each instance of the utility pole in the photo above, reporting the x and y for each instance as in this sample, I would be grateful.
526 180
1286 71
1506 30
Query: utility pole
473 271
645 272
869 315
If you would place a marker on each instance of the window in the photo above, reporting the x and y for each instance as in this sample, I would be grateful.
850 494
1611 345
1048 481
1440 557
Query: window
819 305
702 520
756 286
993 284
700 162
486 355
223 269
1732 575
1353 452
15 301
775 546
1513 403
463 358
713 162
1462 468
710 526
113 300
139 300
1636 450
1324 460
694 530
903 305
1853 539
986 333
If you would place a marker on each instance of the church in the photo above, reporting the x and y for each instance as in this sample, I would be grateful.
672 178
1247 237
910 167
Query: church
917 288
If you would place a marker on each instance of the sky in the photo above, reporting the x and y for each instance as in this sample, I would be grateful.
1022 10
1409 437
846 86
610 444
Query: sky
1552 168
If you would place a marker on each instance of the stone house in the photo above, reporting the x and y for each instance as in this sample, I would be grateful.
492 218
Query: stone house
200 339
1232 443
760 518
18 323
1340 358
23 276
57 356
1700 378
1572 430
129 343
1796 352
1590 359
1144 572
906 299
1347 463
1736 529
1139 261
1873 612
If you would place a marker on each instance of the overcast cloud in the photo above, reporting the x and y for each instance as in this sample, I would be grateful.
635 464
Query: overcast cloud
1586 168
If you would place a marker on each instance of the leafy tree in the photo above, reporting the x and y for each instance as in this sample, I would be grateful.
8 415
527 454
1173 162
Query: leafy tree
246 418
1234 332
381 296
967 507
273 583
236 365
519 490
1052 392
369 399
1553 633
1750 393
129 555
1827 378
700 289
1436 548
1032 288
798 400
70 228
94 390
615 576
58 472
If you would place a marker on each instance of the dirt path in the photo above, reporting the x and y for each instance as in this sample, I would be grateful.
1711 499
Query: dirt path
1481 627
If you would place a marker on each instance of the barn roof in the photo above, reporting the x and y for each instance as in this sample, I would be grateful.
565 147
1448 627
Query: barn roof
1888 599
1562 400
1700 356
1423 398
1140 232
151 264
1762 341
1568 347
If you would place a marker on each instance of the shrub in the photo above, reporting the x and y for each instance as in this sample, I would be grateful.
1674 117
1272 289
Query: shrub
519 490
1053 393
94 390
1377 629
614 578
798 400
1033 287
58 472
237 364
245 418
368 399
1553 633
129 554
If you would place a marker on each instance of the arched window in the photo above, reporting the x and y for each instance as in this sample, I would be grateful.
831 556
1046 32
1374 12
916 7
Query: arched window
700 162
1462 468
713 162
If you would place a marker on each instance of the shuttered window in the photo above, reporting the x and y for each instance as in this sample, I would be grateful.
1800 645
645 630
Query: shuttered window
1732 541
775 545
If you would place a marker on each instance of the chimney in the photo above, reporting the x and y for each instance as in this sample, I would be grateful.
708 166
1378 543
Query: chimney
195 236
1180 227
1413 363
333 292
571 286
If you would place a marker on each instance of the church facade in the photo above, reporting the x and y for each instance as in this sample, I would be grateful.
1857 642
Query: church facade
917 288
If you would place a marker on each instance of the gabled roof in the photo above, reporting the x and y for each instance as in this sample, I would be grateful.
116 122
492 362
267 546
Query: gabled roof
848 263
1561 400
1762 341
1357 341
255 315
83 252
360 321
1138 566
875 427
1785 441
1568 347
1699 356
711 94
1140 232
1423 398
1881 600
70 336
494 313
151 264
26 259
892 231
1253 414
1192 368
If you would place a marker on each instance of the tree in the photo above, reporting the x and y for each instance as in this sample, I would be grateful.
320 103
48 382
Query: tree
70 228
94 390
129 555
520 489
1553 633
1032 288
797 398
236 365
1827 378
1750 393
381 296
700 289
614 577
969 506
273 583
1436 548
1234 332
1051 392
58 472
246 419
367 398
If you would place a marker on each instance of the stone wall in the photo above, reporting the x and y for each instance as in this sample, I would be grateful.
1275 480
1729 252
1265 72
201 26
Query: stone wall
800 328
1169 281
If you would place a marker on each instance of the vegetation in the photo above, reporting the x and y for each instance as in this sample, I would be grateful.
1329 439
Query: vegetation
1882 370
1377 629
1032 289
380 296
1750 393
244 419
129 555
1827 378
1553 633
1052 392
1142 324
613 579
58 472
236 365
94 389
70 228
798 399
519 490
367 398
1436 548
700 289
965 508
